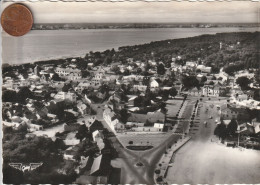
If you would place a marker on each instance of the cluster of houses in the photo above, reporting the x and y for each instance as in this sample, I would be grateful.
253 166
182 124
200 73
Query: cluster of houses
97 167
41 77
245 127
65 86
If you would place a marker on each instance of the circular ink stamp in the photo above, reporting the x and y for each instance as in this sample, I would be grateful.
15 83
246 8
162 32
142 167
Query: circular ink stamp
16 19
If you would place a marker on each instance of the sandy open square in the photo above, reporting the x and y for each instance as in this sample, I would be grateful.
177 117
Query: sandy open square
204 160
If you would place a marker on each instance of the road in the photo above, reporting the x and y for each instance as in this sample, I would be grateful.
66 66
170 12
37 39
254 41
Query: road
204 160
130 172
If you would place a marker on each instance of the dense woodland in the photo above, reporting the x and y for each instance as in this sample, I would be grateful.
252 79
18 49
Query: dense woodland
239 50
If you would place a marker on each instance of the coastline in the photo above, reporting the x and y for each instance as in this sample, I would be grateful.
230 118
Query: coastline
77 47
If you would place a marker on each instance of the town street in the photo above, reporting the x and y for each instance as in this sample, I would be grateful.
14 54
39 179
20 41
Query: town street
130 172
204 160
143 174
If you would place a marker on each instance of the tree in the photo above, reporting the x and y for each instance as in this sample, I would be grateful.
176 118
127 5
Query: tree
85 73
160 69
224 92
256 94
124 115
203 79
198 71
243 82
190 82
138 70
82 132
138 101
173 92
146 81
221 130
104 88
8 96
66 87
56 77
165 94
23 94
232 127
115 69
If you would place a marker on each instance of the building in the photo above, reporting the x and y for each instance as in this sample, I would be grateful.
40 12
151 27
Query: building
70 153
204 69
154 84
191 64
229 112
111 120
45 77
141 88
86 84
98 138
82 108
71 142
101 166
69 73
195 92
133 77
223 76
131 101
87 120
34 127
14 125
98 77
69 96
211 90
158 127
96 125
74 76
134 124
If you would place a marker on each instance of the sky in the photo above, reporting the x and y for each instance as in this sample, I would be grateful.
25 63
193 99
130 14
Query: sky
144 12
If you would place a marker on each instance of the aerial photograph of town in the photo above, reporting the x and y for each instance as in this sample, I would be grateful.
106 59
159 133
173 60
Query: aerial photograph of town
106 93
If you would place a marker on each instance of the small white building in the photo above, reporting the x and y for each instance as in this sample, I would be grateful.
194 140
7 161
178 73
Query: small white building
154 84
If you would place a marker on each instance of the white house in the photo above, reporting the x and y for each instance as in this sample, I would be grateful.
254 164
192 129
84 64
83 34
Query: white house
108 116
66 96
204 68
191 64
158 125
68 73
141 88
211 90
154 84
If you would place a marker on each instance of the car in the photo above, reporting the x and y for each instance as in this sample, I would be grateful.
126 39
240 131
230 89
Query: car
210 117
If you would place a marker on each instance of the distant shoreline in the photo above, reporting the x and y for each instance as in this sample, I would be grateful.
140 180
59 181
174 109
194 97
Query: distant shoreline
75 26
56 58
